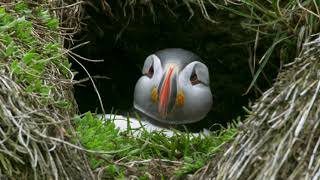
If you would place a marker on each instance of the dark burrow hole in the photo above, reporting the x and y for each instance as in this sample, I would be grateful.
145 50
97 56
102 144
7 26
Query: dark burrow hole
124 45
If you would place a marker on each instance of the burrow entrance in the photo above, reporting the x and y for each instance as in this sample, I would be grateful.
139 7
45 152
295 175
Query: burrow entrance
123 41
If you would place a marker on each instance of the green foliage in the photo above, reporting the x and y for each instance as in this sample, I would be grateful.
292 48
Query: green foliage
47 20
22 7
29 56
35 101
193 151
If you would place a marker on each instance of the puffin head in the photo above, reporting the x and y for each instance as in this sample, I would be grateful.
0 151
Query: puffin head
174 87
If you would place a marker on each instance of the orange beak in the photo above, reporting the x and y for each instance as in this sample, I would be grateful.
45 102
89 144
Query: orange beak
167 90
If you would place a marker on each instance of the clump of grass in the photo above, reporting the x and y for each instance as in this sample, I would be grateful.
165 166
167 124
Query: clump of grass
281 27
280 139
35 98
151 154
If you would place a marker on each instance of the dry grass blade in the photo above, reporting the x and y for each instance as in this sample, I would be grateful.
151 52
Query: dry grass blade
36 105
281 138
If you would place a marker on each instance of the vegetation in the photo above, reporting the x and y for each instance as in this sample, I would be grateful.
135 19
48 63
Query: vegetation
279 139
149 154
36 104
280 27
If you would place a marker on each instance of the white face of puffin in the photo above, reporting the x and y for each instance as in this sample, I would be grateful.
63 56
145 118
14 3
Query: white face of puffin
174 88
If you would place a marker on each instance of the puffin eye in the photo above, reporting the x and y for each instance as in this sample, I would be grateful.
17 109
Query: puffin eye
194 79
150 72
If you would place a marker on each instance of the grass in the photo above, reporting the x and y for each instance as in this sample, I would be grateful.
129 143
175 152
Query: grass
32 62
281 27
29 57
34 59
280 139
36 99
149 154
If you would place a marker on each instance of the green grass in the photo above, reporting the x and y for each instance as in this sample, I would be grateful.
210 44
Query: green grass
29 56
183 153
34 100
280 26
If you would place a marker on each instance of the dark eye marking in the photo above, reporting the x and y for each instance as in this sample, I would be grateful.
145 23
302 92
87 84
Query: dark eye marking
194 79
150 72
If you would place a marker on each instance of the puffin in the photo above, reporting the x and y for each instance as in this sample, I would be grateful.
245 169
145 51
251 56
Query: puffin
174 89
